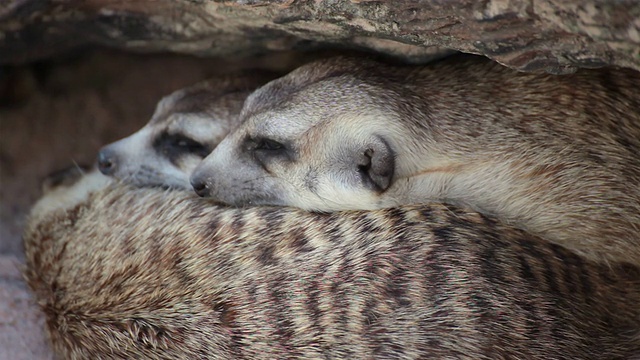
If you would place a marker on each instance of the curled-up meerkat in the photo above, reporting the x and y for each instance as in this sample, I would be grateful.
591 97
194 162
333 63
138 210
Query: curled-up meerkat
123 273
558 156
185 127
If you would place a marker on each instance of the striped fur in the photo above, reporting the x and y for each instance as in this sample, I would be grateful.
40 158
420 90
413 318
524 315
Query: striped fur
144 273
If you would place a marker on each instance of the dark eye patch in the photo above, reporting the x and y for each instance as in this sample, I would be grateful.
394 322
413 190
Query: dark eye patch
264 144
264 149
174 146
269 145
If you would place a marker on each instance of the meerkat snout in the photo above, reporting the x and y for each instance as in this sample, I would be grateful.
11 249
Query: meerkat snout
199 185
107 161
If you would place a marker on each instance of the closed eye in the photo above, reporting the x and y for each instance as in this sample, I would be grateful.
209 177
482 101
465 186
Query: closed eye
265 150
263 144
268 144
175 145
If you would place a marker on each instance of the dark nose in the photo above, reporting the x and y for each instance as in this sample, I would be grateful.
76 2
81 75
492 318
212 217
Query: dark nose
106 161
199 185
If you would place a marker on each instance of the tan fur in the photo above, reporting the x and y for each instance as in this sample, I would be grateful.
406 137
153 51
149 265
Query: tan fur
124 273
185 127
558 156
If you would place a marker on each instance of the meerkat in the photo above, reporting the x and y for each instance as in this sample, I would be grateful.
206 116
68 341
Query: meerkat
185 127
123 272
558 156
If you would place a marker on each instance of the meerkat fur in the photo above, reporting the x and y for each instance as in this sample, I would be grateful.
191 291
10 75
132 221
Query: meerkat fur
124 273
185 127
558 156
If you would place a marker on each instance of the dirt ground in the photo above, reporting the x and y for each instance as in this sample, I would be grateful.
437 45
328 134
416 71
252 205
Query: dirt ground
60 112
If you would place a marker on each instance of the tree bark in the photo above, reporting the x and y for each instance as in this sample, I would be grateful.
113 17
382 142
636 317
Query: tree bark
557 36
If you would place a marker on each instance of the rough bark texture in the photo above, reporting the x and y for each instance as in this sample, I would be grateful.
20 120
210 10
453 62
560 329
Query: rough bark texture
557 36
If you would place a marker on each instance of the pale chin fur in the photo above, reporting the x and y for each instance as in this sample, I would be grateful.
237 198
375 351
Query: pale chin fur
335 201
63 198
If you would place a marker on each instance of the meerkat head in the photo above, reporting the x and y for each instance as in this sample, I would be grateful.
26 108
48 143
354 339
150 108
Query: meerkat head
319 138
185 127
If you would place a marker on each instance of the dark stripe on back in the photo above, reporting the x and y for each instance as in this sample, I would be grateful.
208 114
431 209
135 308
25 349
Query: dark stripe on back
213 226
181 269
438 283
299 242
341 292
533 250
266 255
312 305
573 271
281 310
238 222
526 272
559 302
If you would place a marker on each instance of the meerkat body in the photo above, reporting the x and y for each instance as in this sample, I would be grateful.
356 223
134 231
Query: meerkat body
186 126
127 273
558 156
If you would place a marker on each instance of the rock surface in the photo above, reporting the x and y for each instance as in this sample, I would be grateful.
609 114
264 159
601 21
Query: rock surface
557 36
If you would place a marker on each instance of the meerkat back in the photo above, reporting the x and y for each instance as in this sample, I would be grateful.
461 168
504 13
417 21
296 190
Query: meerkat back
126 273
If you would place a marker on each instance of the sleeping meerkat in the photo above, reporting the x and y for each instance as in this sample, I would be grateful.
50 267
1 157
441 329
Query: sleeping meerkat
558 156
185 127
144 273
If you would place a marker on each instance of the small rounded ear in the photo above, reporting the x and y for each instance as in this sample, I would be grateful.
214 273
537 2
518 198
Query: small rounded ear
377 165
